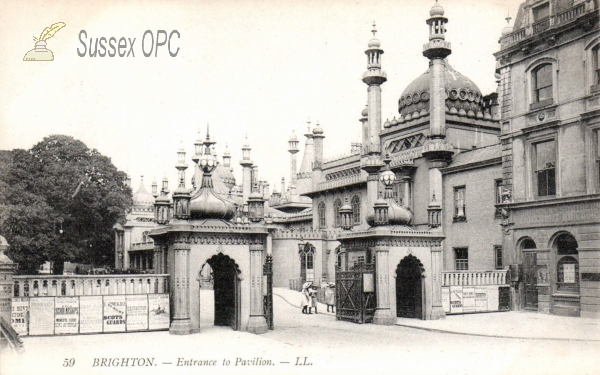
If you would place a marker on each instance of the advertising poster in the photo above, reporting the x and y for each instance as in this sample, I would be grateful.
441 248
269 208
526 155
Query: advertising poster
569 272
90 314
41 316
446 298
493 298
159 316
137 312
66 315
468 299
481 303
6 293
114 313
456 297
20 315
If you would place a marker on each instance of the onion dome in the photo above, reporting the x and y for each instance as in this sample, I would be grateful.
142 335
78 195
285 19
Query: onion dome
374 42
223 176
394 122
365 112
461 93
436 10
387 124
318 129
205 204
293 137
141 198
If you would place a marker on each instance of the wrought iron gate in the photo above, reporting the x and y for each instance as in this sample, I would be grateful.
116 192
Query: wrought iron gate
268 298
355 293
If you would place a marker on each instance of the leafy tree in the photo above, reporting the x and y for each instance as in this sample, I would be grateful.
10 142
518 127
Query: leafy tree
60 184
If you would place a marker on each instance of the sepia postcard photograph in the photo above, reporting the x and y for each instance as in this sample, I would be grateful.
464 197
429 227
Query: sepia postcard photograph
299 187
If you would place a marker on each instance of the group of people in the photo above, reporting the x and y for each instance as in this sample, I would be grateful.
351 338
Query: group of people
309 297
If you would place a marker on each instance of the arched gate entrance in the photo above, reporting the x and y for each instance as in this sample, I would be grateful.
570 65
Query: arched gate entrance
409 288
227 293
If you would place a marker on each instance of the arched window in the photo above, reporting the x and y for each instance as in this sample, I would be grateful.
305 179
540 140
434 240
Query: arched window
541 83
307 268
567 265
145 237
596 65
336 211
321 215
356 209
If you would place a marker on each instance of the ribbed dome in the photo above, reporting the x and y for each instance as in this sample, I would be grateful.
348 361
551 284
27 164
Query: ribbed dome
460 93
142 198
224 175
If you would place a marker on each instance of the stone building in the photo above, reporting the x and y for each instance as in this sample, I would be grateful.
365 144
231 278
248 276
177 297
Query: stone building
134 248
550 98
455 179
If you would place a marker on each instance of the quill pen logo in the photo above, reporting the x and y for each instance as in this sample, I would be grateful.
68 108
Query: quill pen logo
40 52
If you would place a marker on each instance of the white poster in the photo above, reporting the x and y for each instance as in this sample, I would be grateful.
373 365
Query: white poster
569 273
159 316
468 299
446 298
19 318
90 318
137 312
41 316
481 300
114 313
6 294
66 315
456 297
493 298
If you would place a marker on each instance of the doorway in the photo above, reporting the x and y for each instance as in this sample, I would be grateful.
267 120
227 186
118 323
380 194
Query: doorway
530 274
226 291
409 288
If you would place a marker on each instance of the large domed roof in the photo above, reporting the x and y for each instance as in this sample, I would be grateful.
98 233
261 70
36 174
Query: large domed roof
460 92
142 198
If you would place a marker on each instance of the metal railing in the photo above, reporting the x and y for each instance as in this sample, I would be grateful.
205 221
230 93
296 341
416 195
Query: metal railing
89 285
538 27
474 278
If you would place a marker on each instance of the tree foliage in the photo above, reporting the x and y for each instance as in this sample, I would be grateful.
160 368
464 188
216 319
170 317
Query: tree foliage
60 183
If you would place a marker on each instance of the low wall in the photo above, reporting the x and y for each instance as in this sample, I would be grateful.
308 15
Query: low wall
57 305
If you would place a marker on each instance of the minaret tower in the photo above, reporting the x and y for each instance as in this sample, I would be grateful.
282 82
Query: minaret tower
436 149
227 157
293 150
181 196
246 164
374 77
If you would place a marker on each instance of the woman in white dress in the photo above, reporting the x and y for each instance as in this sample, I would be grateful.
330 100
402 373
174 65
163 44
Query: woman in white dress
305 297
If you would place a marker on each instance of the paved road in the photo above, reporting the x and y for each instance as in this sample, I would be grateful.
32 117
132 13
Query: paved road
331 347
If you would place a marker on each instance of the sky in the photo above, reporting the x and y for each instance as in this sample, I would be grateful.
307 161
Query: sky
257 68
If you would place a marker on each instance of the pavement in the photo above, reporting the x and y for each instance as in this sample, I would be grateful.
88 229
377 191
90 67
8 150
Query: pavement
301 344
509 324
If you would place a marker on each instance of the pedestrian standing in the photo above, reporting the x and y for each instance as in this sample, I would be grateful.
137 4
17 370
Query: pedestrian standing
330 296
313 299
305 297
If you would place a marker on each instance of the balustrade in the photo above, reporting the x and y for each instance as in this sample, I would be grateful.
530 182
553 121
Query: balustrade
474 278
89 285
